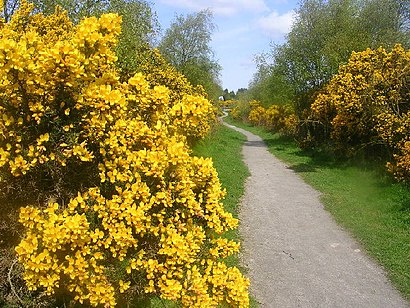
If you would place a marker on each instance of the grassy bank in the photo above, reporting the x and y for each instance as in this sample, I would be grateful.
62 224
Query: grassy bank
361 198
224 146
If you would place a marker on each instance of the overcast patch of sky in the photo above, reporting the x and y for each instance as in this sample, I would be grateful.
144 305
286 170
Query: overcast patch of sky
245 28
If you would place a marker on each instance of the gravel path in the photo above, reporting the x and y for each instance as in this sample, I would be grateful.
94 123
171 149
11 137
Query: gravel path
296 254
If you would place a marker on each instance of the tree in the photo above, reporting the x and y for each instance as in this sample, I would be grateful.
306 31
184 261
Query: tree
76 9
385 22
186 45
322 38
229 95
268 85
139 28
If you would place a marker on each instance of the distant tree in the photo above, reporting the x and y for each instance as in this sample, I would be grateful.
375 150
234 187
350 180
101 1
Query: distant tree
76 9
186 45
140 28
242 95
268 85
323 36
229 95
241 90
385 22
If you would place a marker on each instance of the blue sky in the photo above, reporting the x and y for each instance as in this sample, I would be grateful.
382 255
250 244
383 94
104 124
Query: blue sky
245 28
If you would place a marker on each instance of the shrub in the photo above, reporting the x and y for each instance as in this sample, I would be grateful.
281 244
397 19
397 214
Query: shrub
257 115
368 103
241 111
128 212
280 118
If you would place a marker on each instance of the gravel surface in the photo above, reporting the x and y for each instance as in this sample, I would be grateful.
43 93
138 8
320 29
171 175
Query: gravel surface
297 256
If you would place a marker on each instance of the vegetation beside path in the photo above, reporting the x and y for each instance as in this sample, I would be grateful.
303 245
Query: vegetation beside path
224 145
360 197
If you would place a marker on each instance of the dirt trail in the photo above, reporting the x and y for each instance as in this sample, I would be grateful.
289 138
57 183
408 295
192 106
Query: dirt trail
296 254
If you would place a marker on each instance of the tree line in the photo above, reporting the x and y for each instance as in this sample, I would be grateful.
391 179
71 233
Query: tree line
322 38
339 82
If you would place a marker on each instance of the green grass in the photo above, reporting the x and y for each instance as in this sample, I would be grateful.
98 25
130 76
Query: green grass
361 197
224 146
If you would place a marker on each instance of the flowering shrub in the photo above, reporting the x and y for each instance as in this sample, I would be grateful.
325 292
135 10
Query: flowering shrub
368 102
275 118
229 103
143 217
280 119
257 115
191 113
236 112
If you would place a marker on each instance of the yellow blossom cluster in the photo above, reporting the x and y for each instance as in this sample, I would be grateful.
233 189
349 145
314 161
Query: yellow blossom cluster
256 114
240 110
147 216
49 71
277 118
236 112
194 116
229 103
368 103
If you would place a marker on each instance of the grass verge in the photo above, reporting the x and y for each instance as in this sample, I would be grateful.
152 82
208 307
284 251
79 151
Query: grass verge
361 198
224 146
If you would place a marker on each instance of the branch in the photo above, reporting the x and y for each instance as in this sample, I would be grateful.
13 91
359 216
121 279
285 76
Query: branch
20 302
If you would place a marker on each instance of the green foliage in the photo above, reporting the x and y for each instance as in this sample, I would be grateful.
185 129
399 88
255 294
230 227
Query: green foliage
186 45
366 106
139 28
322 38
268 85
229 95
76 9
385 22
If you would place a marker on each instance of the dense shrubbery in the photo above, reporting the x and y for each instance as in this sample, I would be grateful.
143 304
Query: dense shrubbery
365 108
191 112
114 205
276 118
322 38
368 103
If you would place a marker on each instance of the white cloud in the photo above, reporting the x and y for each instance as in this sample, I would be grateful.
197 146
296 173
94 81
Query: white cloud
220 7
276 25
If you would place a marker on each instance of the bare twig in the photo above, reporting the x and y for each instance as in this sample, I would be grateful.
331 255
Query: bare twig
20 302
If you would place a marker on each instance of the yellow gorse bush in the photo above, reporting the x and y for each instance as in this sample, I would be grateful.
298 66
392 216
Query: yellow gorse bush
190 115
145 217
277 118
368 102
257 115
